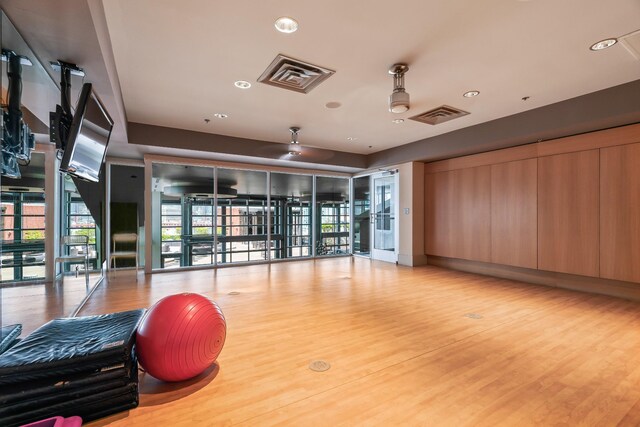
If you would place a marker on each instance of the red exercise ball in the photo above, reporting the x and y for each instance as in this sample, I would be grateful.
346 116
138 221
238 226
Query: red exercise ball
180 336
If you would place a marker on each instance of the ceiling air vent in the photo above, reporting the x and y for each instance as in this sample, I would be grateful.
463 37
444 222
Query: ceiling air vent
291 74
439 115
631 42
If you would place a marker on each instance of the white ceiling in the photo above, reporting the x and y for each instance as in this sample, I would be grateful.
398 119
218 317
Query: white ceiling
177 62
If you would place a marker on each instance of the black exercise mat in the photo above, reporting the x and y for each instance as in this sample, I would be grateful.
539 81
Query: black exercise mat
75 385
8 336
88 408
63 396
69 345
112 410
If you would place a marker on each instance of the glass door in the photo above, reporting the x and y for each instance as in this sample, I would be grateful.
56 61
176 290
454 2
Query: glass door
383 217
362 215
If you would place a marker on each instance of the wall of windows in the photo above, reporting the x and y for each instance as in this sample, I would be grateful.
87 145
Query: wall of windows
242 221
78 220
361 215
23 236
242 230
200 214
333 216
220 216
171 232
291 212
22 224
182 233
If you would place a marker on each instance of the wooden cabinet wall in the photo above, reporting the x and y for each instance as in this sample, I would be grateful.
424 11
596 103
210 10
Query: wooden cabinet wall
568 215
473 216
620 213
439 208
570 205
514 222
458 213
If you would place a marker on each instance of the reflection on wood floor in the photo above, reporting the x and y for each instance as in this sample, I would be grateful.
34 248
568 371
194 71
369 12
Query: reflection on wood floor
34 305
407 346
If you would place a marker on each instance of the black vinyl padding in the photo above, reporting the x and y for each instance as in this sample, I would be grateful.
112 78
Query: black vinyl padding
61 397
8 336
82 366
44 392
71 345
88 408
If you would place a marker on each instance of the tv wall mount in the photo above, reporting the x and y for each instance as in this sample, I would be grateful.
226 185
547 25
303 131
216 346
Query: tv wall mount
60 120
17 139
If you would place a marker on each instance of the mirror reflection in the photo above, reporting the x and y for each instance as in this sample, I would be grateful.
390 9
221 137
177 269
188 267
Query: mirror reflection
332 213
22 224
291 215
215 216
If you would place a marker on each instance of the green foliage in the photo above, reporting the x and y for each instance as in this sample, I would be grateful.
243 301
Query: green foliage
331 228
33 234
327 228
89 232
171 233
201 230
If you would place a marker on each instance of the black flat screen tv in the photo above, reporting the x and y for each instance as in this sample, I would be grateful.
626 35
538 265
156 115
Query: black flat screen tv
89 135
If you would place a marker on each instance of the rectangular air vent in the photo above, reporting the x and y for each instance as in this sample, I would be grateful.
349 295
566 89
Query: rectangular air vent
292 74
631 42
439 115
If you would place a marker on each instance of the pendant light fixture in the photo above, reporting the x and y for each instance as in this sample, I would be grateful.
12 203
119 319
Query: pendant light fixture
399 99
294 134
294 148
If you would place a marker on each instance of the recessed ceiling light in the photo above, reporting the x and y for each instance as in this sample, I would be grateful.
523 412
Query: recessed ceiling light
351 138
333 104
286 25
471 94
220 115
603 44
397 121
242 84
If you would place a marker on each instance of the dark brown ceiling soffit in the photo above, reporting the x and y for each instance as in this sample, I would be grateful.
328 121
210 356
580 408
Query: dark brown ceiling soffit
159 136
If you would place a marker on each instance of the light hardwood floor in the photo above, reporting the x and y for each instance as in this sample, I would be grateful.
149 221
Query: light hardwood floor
402 351
34 305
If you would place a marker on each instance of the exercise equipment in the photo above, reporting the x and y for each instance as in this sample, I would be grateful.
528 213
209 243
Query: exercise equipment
69 345
180 337
9 336
83 366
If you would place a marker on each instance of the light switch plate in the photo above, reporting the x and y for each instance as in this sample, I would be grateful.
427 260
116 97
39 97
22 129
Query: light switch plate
406 211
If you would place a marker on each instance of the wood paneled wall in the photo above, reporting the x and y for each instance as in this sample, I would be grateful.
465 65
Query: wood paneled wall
439 210
514 223
570 205
620 213
568 213
459 204
474 213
